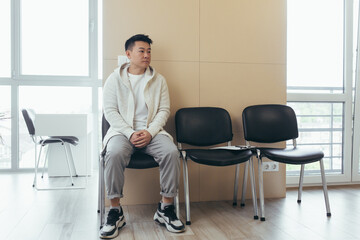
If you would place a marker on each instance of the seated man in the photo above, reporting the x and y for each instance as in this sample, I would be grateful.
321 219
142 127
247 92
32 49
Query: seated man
137 106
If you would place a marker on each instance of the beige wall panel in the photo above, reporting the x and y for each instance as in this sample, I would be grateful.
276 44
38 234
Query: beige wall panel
220 180
172 25
275 182
248 31
235 86
183 83
108 68
141 186
217 183
229 54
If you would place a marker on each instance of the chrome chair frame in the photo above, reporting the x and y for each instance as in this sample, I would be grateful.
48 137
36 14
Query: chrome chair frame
236 184
67 149
265 152
186 175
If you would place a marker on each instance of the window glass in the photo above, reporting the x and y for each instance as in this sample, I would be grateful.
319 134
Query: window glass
315 46
55 37
48 100
5 127
320 127
100 39
5 39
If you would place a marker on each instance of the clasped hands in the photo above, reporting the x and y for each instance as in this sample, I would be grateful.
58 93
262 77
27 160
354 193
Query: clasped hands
140 138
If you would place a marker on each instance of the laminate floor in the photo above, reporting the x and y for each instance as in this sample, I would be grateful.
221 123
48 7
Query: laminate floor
27 214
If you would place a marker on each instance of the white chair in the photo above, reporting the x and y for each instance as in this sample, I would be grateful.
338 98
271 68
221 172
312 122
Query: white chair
65 141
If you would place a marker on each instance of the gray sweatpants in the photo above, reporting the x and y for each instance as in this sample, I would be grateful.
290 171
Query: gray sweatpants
117 157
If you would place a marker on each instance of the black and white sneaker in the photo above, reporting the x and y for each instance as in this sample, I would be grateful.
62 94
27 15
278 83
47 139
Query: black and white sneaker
115 220
168 218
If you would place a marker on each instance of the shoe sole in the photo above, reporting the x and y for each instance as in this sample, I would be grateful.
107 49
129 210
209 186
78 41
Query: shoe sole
122 223
162 222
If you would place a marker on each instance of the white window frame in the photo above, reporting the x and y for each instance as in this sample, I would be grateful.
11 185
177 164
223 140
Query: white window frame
345 98
17 79
356 135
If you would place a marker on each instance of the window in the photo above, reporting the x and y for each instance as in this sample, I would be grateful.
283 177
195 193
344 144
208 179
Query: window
5 40
320 75
315 46
48 63
57 100
5 127
52 43
320 126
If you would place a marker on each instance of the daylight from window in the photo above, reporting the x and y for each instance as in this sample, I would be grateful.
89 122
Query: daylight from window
315 45
315 65
5 39
59 44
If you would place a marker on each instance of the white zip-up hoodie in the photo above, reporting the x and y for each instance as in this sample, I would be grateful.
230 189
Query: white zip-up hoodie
119 103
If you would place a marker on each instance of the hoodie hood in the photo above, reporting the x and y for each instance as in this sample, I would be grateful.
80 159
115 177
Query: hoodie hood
122 72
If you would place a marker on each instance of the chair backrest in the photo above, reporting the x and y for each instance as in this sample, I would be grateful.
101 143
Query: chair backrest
105 125
29 121
203 126
269 123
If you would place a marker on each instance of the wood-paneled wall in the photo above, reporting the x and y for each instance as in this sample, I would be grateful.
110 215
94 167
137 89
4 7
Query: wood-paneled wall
229 53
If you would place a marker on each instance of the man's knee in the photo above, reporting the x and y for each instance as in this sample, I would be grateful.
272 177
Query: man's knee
115 153
117 156
171 159
172 154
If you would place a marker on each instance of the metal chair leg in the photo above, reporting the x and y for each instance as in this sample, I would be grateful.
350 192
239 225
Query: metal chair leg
101 191
72 159
68 163
301 180
253 189
261 188
236 184
36 165
328 212
46 157
186 188
245 177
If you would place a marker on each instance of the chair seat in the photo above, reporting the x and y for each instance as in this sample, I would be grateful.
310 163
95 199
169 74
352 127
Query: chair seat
218 157
75 139
292 155
56 139
140 160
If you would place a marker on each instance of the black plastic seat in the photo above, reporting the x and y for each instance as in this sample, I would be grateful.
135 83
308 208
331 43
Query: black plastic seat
58 139
140 160
273 123
217 157
205 127
291 155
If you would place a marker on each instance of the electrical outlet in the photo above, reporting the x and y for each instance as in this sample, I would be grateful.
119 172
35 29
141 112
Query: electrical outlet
270 166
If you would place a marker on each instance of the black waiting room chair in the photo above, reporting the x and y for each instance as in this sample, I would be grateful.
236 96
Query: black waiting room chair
65 141
139 160
273 123
205 127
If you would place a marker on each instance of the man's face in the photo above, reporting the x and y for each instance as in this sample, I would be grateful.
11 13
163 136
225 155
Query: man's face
140 55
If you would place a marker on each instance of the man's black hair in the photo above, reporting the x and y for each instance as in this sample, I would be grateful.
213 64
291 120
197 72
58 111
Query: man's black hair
138 37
